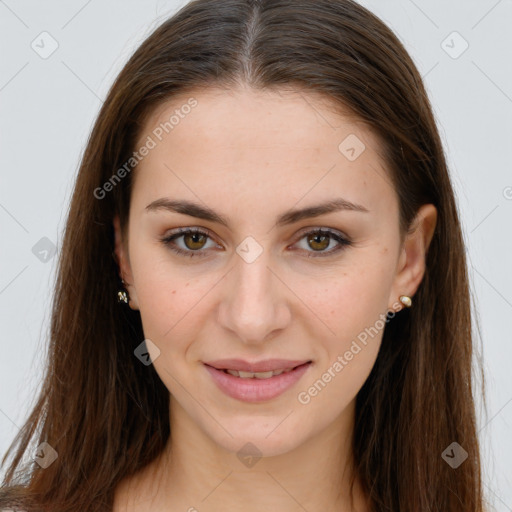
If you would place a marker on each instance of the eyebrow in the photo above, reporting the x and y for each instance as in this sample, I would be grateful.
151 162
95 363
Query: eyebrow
289 217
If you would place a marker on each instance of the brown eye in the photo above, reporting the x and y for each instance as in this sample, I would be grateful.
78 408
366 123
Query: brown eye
318 242
194 241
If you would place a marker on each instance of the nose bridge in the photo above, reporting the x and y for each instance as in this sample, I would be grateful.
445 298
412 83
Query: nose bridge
253 304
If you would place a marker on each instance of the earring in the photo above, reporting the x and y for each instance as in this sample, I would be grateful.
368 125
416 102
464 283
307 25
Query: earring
122 295
406 300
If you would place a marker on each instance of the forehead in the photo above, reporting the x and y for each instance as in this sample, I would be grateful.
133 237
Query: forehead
258 144
247 117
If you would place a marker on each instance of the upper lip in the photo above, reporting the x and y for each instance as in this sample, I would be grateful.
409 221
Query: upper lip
260 366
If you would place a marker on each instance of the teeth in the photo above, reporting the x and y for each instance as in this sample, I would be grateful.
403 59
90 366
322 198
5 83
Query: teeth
257 375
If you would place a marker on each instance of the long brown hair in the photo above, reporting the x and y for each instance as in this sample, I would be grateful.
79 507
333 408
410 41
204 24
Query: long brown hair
107 416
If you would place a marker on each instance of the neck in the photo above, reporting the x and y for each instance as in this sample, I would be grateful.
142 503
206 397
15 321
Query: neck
194 473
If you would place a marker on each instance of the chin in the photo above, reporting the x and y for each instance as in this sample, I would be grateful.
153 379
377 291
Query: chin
263 437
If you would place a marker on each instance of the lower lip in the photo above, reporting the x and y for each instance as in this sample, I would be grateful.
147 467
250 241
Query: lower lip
256 390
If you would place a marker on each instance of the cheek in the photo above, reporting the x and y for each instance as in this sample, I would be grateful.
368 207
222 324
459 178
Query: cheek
159 290
352 298
352 302
353 306
171 301
168 305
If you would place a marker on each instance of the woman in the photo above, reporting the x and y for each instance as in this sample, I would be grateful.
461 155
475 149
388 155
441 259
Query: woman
266 195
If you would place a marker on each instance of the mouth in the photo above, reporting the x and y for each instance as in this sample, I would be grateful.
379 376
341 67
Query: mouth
257 386
260 375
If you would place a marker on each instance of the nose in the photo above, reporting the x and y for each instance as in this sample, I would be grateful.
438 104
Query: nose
254 305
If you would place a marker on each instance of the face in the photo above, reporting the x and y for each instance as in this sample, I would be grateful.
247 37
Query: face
254 281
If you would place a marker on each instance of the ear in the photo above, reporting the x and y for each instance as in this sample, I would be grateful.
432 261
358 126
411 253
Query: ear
411 265
123 261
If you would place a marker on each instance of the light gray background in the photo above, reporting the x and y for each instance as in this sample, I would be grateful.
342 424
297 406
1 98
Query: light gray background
48 107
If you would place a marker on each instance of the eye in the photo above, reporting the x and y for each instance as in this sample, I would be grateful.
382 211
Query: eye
194 241
193 238
320 239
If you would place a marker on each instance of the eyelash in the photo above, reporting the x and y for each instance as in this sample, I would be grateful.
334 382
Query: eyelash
169 242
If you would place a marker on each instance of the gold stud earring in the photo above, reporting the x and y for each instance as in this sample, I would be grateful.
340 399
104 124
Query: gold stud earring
122 295
406 300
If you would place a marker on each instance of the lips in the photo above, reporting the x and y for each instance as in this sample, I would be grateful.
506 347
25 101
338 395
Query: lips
268 365
257 389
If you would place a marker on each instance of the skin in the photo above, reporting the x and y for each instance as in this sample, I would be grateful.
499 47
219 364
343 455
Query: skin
251 155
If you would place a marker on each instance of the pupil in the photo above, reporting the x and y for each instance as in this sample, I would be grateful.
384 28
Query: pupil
315 239
195 237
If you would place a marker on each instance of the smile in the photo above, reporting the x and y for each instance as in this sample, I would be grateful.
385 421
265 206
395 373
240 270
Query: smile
256 375
256 386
